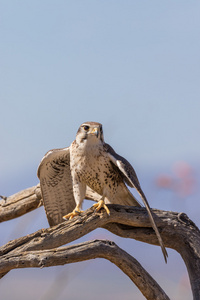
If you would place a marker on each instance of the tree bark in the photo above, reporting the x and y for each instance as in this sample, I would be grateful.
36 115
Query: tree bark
177 230
85 251
20 203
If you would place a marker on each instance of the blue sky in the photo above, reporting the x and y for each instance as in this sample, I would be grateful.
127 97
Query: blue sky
134 66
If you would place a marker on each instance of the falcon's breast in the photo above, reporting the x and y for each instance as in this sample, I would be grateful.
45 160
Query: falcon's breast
95 168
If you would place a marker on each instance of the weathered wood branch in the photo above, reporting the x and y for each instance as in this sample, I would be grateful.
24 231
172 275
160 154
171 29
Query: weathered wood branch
20 203
177 230
86 251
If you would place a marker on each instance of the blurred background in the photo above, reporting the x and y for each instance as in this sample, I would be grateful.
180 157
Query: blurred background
134 66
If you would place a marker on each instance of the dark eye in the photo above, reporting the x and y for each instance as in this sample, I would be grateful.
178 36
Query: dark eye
86 128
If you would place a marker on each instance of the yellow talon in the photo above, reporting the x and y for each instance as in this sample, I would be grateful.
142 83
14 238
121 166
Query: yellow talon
101 204
75 212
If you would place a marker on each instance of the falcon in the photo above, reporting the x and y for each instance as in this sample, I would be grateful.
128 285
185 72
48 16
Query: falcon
88 169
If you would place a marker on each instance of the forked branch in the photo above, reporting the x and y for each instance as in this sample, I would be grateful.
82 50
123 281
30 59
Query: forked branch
177 230
86 251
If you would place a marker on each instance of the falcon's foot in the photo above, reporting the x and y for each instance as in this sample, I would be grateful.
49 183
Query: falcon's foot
101 204
75 212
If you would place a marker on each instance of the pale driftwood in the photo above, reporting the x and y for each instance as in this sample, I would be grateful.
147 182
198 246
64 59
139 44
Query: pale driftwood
178 232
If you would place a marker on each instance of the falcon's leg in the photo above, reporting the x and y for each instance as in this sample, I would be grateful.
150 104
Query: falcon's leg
79 190
101 204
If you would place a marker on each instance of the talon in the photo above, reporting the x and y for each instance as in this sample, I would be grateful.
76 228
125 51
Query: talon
75 212
101 204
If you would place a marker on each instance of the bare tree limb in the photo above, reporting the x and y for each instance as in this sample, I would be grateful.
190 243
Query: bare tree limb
89 220
85 251
177 230
20 203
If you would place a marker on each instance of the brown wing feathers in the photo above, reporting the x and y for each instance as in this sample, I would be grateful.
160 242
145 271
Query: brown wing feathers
131 179
56 185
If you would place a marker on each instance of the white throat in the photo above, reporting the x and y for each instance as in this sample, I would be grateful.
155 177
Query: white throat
91 145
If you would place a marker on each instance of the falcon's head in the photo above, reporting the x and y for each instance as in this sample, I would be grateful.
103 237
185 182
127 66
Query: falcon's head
90 131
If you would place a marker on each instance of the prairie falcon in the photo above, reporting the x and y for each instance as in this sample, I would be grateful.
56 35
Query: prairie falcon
88 169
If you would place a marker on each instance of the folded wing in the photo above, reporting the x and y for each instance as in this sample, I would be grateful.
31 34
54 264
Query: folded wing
131 179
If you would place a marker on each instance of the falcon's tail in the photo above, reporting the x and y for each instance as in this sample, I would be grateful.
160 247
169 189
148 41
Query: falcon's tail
124 197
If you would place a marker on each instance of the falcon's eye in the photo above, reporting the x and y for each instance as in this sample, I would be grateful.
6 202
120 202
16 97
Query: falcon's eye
86 128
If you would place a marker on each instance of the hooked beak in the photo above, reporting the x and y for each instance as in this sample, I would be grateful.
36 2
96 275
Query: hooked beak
95 131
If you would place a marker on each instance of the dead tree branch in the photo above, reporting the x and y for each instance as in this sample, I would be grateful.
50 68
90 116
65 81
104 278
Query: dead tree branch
20 203
177 230
86 251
